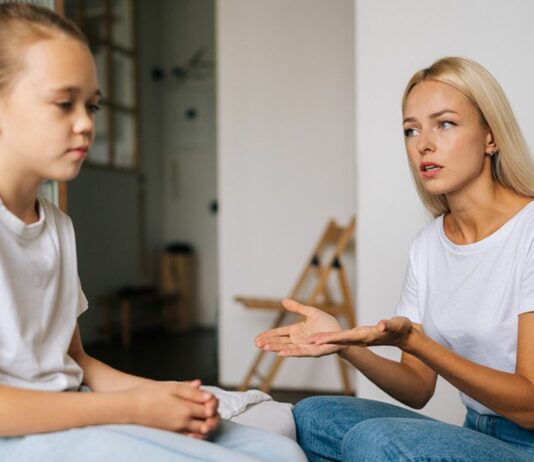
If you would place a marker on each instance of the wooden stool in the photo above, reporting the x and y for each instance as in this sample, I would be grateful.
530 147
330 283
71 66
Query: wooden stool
319 268
174 294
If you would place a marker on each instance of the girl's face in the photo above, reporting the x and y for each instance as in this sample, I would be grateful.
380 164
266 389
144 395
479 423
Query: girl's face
47 113
446 141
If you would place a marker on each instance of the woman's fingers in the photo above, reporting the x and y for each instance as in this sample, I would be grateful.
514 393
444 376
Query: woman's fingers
279 332
268 343
357 335
298 352
299 308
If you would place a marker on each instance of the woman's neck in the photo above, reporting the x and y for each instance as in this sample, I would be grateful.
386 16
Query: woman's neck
475 216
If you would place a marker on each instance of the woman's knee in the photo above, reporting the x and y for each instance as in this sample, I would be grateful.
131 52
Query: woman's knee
367 441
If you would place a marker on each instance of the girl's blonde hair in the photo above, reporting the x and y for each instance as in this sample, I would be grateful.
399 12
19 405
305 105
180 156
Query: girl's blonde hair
22 25
511 165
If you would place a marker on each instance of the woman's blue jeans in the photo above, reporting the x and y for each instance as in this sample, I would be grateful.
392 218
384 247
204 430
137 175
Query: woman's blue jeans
351 429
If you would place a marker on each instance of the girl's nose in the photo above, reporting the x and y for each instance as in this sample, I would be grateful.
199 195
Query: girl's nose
85 123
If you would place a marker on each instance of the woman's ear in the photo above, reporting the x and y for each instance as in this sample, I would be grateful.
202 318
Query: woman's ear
490 146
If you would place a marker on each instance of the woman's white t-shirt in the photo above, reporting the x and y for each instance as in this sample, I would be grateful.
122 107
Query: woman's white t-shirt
40 300
468 297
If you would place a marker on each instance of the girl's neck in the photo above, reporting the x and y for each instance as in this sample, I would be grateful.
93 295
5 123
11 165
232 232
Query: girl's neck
19 194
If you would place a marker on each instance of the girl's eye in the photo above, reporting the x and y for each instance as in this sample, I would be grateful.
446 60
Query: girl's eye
93 108
409 132
65 105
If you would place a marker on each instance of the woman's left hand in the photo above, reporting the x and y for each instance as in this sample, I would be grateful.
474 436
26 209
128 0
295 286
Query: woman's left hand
394 331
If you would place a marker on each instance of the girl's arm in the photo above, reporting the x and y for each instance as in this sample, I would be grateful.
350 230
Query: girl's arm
508 394
97 375
117 398
167 405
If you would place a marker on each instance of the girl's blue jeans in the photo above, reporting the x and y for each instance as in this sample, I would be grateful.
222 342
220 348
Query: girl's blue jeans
353 429
132 443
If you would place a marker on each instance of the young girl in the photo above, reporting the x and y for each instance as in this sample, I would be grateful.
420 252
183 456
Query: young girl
48 96
467 307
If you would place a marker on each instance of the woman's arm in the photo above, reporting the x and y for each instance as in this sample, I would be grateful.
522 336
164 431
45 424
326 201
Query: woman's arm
509 394
409 381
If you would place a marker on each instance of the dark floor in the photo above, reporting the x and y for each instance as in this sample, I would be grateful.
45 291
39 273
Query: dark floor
164 355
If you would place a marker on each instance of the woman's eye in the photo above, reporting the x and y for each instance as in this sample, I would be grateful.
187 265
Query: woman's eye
409 132
93 108
446 124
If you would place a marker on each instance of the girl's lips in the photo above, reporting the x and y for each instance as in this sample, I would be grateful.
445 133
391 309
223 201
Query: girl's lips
79 152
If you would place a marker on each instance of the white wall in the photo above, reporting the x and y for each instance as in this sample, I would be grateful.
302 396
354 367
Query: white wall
286 159
393 40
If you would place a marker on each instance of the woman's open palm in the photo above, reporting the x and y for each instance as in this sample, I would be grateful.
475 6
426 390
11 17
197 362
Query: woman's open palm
292 340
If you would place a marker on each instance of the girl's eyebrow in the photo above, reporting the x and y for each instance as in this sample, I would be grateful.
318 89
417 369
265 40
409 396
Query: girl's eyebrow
432 116
73 90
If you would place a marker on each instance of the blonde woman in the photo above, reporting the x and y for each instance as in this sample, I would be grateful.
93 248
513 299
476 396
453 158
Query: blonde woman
466 311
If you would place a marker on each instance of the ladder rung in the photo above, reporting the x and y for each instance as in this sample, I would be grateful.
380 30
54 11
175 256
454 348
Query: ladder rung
259 376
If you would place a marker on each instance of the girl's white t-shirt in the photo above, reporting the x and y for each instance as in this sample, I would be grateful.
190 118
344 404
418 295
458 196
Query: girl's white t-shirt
468 297
40 300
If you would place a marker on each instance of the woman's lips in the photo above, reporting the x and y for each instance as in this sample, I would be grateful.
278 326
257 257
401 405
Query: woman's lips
429 169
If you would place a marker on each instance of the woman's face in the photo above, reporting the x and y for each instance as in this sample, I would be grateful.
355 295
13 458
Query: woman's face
446 141
47 114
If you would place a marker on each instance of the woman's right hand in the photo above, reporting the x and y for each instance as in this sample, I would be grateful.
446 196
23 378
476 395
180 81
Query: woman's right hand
292 340
175 406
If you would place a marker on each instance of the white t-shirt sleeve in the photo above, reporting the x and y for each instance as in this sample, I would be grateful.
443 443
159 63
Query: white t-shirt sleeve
408 303
526 291
83 304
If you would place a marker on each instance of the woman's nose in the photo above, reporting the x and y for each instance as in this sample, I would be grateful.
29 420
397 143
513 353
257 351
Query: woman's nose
425 143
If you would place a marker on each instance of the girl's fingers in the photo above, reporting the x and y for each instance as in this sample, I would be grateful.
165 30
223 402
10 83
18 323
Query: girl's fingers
199 411
199 427
191 393
197 436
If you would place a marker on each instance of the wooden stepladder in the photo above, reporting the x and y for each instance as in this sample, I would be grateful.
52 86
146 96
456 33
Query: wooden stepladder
312 288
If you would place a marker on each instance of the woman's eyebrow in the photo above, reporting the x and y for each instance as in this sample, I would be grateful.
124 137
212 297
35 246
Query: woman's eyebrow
440 113
432 116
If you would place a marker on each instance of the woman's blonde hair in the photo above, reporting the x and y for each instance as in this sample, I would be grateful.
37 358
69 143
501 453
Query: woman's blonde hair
511 165
22 25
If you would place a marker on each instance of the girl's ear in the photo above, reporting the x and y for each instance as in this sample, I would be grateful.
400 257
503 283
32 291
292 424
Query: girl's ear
490 146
